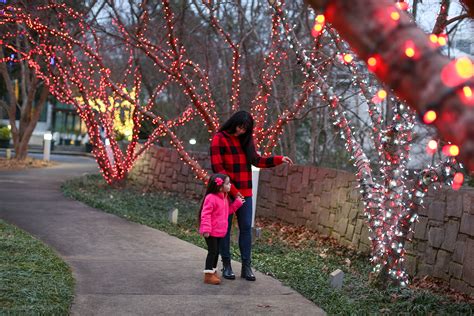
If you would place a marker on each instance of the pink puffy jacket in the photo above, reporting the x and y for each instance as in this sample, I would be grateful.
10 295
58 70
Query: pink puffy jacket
215 213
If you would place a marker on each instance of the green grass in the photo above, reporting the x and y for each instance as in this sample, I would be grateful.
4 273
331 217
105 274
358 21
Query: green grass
33 279
305 269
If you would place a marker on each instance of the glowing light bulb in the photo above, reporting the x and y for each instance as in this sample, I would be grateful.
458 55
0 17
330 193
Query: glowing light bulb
382 94
464 67
451 150
395 16
442 40
467 91
454 150
434 38
402 5
320 18
318 27
432 146
429 117
458 181
372 61
459 177
410 52
348 58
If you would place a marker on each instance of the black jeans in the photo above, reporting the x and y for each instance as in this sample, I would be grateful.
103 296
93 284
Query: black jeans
213 244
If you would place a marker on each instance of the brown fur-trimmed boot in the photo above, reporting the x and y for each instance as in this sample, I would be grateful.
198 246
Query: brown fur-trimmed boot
211 278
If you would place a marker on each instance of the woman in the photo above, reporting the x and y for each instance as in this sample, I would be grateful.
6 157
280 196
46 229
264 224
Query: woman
233 153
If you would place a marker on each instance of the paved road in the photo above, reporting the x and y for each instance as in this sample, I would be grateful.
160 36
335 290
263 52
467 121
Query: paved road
123 268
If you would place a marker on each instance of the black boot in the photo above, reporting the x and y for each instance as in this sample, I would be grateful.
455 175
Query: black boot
247 272
227 272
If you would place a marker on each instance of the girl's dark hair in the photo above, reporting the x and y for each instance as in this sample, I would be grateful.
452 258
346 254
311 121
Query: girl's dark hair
245 120
212 187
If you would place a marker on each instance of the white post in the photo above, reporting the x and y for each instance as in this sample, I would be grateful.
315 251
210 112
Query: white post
109 151
173 215
49 115
255 175
47 145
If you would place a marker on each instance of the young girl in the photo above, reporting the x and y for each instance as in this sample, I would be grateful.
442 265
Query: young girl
213 215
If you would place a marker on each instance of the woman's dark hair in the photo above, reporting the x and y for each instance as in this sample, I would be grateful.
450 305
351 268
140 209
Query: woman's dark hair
242 119
212 187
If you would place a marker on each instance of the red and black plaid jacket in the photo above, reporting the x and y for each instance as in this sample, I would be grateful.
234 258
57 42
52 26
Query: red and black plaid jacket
228 157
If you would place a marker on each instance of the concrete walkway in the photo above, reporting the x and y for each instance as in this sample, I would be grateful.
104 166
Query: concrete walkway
123 268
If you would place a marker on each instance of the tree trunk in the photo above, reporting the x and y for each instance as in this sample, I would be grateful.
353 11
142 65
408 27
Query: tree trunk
380 280
291 136
314 138
442 19
21 151
415 9
30 114
30 110
470 7
422 80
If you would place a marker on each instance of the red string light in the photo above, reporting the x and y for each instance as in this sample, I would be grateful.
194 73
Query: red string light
410 49
457 181
432 146
429 117
394 15
402 5
451 150
318 26
373 62
348 58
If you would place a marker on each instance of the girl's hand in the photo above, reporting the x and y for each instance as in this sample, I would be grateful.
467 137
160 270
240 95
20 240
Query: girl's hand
206 235
288 160
242 199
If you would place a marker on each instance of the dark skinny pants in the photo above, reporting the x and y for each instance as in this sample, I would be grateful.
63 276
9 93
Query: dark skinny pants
213 244
244 220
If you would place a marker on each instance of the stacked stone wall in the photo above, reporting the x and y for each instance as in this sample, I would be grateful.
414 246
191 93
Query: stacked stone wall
327 201
161 169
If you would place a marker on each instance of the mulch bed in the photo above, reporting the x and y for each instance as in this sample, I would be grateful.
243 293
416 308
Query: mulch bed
14 164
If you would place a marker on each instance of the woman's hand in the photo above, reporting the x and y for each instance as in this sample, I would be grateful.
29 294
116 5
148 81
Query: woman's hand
206 235
287 160
242 199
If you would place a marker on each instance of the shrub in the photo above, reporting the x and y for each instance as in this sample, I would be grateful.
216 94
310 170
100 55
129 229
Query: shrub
5 133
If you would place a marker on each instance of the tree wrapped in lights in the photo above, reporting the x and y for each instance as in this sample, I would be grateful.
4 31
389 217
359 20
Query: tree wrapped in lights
75 67
390 200
79 75
26 92
403 57
123 114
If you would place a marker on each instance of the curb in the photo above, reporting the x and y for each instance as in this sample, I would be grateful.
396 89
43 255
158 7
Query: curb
62 153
